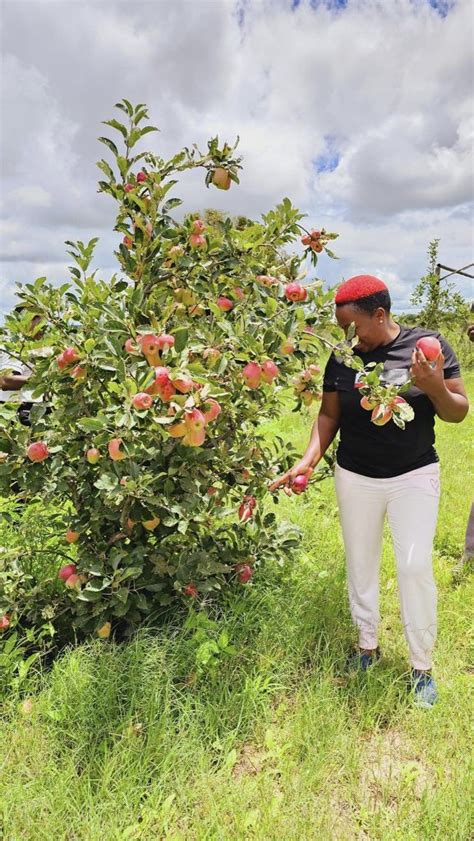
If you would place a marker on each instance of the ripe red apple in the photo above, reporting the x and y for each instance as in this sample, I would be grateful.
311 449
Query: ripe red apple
142 401
269 371
221 178
129 187
288 346
317 246
176 251
72 536
78 373
300 483
141 177
246 508
178 430
128 242
93 455
198 226
197 241
66 571
212 409
4 622
194 437
115 452
211 355
381 415
37 451
149 344
367 403
74 581
190 590
266 280
130 346
67 357
166 391
295 292
244 572
306 240
195 419
184 384
430 347
252 374
224 304
162 375
165 341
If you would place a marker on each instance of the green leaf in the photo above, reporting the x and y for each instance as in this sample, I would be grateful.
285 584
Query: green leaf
180 339
110 144
92 424
116 125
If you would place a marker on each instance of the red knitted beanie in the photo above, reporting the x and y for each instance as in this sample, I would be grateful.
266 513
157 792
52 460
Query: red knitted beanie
360 286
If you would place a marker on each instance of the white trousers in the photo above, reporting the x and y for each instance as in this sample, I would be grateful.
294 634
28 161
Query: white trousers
411 504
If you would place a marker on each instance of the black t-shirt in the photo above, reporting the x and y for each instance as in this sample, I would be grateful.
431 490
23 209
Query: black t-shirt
385 451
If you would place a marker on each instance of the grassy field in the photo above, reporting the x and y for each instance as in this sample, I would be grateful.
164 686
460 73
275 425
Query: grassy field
275 741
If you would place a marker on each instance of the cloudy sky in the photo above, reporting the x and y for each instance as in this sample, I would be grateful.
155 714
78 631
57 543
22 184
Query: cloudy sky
359 110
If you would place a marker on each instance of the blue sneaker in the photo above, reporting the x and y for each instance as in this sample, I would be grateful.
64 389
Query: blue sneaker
424 688
362 660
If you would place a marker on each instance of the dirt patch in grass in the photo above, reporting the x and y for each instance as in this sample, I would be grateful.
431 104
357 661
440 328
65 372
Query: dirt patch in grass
251 761
390 769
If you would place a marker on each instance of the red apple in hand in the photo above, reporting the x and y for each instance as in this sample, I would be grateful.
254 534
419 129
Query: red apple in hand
37 451
300 483
430 347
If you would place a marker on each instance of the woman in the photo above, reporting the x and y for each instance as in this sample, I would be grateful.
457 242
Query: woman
387 470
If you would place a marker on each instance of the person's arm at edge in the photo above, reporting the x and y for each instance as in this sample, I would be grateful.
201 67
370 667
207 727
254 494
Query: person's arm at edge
324 431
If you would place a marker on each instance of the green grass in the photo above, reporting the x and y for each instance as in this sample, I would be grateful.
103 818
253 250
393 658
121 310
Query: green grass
275 742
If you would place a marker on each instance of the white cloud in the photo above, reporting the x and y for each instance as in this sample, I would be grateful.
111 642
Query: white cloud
383 86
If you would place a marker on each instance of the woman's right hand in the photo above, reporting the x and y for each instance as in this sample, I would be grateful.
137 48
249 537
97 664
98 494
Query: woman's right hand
300 468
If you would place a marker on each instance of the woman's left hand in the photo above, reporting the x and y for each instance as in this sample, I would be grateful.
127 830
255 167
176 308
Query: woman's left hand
425 377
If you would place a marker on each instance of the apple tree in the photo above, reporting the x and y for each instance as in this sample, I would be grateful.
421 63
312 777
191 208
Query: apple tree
154 386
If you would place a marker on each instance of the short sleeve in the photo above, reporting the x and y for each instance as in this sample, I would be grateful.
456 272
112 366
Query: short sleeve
329 379
451 364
